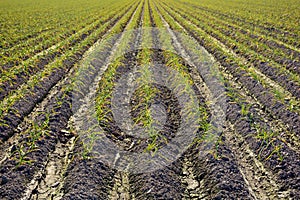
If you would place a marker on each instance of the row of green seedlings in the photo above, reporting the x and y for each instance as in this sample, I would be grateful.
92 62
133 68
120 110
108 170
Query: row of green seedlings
147 92
250 47
27 89
105 86
25 50
174 61
63 31
266 137
25 68
257 42
200 34
247 23
51 27
293 104
239 43
107 83
62 42
195 20
27 30
35 133
40 129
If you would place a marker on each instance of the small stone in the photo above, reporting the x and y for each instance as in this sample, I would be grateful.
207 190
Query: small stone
194 196
4 180
65 131
185 173
54 185
192 184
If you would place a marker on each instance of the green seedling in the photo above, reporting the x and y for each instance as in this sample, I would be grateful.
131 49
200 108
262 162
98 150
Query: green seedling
153 135
88 143
267 139
279 95
22 155
35 133
245 108
294 105
276 151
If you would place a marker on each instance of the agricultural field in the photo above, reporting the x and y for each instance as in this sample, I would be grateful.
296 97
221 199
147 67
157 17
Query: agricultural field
149 99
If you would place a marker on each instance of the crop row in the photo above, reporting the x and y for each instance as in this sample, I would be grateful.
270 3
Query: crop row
212 168
232 64
30 154
284 56
28 48
275 73
24 24
267 144
17 75
83 160
243 144
280 33
19 104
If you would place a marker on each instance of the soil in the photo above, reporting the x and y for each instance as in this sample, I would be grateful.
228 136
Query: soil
244 163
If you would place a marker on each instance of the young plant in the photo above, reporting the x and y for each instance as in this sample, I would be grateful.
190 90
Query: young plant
88 143
34 134
245 108
268 139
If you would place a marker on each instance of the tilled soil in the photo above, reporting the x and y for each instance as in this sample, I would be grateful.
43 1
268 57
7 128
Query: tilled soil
243 163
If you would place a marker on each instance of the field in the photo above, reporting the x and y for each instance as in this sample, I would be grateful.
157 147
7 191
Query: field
150 99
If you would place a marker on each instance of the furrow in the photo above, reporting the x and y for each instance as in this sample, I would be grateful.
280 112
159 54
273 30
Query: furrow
283 191
111 180
60 111
23 106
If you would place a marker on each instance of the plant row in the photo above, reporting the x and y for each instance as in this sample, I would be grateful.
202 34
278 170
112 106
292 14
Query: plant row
233 67
270 69
239 17
38 140
15 76
264 140
19 104
270 49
